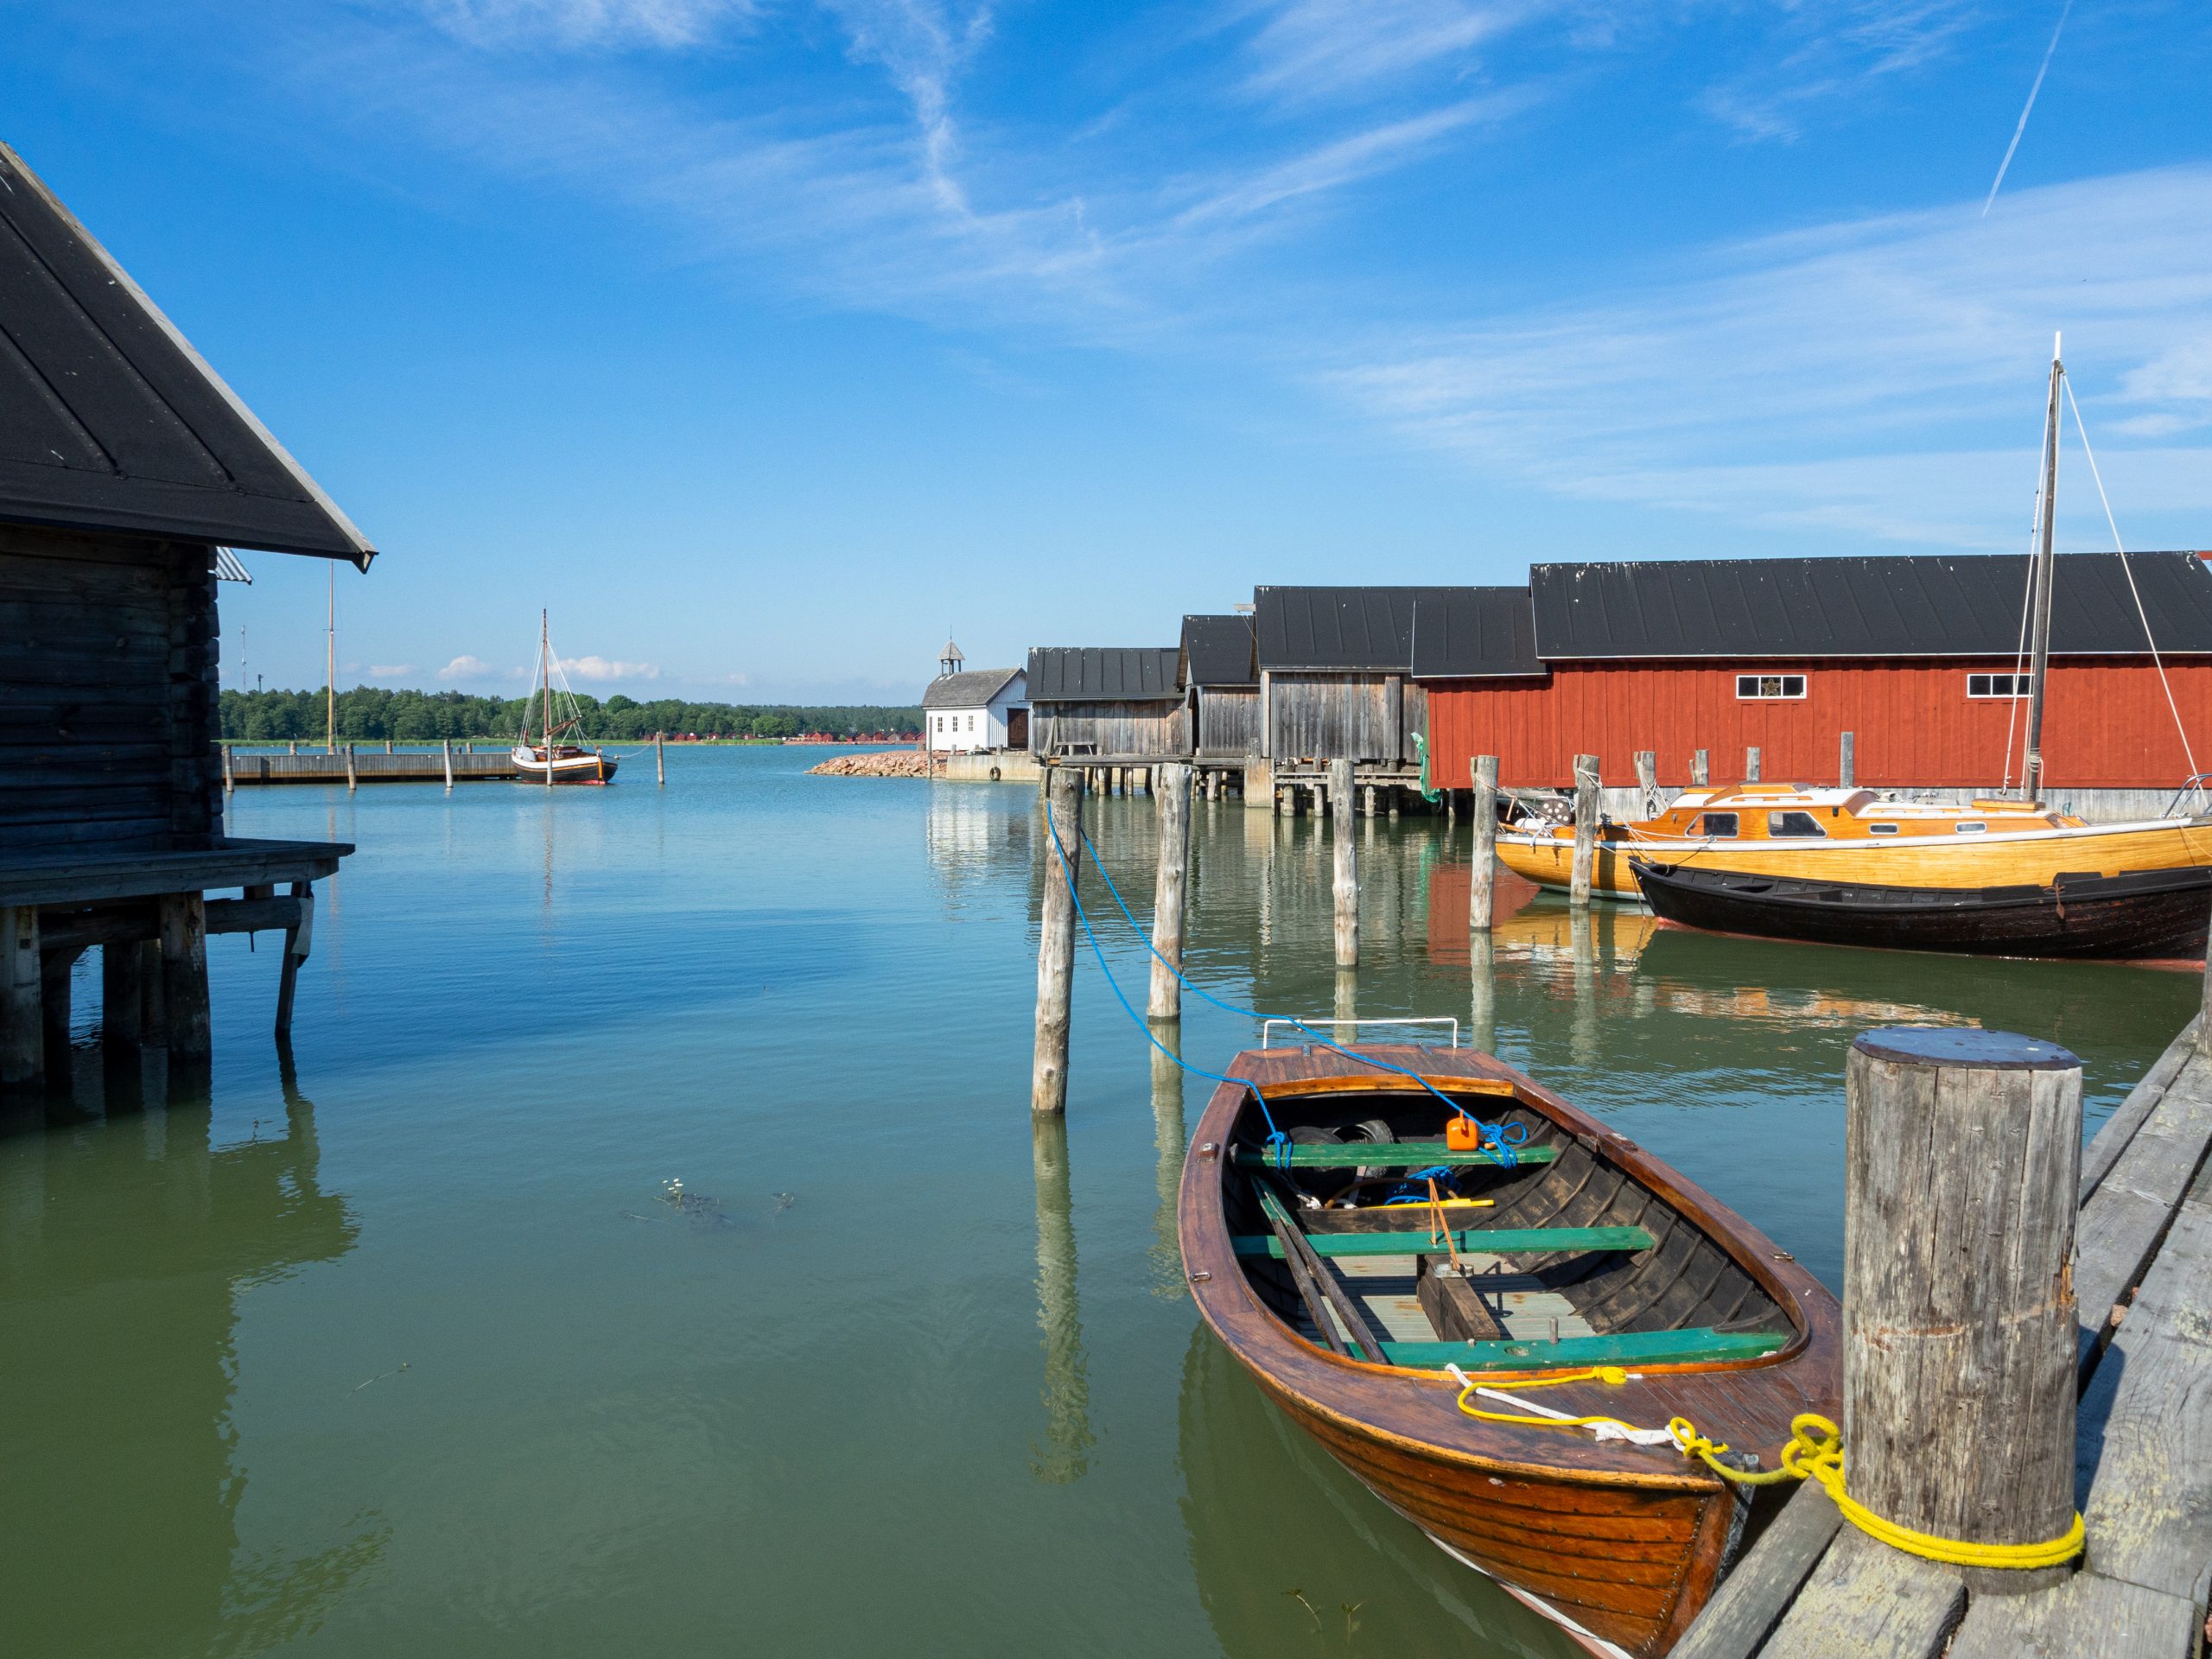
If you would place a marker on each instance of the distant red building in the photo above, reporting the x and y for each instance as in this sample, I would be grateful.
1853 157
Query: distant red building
1914 656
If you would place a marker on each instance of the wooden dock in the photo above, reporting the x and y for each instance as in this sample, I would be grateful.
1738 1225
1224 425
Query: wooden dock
1813 1587
352 764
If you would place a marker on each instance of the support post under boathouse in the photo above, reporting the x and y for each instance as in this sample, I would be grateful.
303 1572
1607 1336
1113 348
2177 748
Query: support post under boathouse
128 464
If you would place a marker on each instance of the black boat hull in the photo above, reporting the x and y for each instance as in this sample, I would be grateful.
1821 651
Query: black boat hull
2142 915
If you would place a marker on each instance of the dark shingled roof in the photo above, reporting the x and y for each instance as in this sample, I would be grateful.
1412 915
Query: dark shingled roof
1895 605
1364 629
1218 650
109 420
972 689
1474 633
1102 674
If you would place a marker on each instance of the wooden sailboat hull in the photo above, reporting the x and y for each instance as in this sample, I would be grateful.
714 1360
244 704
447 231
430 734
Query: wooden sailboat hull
1620 1545
584 767
2138 916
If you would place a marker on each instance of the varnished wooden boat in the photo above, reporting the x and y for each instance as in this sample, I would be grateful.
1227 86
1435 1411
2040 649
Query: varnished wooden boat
1606 1256
2139 915
571 763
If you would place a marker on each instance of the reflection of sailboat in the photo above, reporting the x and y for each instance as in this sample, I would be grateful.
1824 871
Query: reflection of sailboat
1523 926
548 760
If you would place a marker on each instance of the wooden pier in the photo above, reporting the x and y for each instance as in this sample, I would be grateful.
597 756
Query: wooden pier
351 765
1812 1586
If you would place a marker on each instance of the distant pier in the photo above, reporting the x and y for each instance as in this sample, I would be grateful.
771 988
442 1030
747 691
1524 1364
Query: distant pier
352 764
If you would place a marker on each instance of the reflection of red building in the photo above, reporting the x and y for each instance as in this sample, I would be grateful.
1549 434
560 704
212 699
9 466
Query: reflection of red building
1912 656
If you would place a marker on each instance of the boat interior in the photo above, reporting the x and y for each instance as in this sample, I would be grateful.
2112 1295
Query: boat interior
1369 1233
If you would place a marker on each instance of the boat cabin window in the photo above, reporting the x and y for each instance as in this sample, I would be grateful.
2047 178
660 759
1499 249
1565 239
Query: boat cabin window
1717 824
2000 685
1881 829
1971 828
1793 823
1760 686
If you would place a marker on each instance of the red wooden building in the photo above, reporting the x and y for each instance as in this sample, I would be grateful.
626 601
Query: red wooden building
1913 656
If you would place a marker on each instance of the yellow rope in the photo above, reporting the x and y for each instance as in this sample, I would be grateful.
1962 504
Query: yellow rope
1814 1453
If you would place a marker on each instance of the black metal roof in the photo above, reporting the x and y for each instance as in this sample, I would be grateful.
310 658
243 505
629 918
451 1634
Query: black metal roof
1896 606
1102 674
1366 629
1474 633
109 420
972 688
1218 650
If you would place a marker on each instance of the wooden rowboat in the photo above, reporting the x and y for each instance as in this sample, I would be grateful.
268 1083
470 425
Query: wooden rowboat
1346 1308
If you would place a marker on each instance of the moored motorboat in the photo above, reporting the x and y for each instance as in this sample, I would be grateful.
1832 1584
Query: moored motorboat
1348 1244
2135 916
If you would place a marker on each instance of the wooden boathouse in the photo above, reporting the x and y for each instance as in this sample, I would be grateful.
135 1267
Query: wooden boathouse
1106 707
125 465
1219 671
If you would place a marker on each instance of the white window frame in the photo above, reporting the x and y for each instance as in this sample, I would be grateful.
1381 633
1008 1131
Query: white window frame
1757 695
2023 685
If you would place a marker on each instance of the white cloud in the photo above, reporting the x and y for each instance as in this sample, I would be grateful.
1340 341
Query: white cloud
1314 48
465 667
602 668
389 670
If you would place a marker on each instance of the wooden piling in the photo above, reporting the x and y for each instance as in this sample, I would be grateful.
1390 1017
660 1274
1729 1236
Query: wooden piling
1751 765
1647 781
387 746
352 772
1585 829
660 759
153 1007
1962 1163
1369 803
1048 1072
54 975
120 1023
1346 885
1481 886
1345 1032
299 939
1700 770
1173 782
230 783
22 1037
1847 763
448 753
184 972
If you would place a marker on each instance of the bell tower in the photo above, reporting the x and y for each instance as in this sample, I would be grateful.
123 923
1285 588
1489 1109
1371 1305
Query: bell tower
949 660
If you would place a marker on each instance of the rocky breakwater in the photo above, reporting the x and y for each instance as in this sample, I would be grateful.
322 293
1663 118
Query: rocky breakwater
881 763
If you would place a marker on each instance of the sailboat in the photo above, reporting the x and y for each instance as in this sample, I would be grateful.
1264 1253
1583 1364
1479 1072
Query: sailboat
548 760
2003 876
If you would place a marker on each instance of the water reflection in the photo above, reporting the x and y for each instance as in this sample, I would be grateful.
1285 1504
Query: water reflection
128 1240
1169 1141
1064 1457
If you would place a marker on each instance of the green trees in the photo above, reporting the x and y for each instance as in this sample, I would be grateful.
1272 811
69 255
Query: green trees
371 714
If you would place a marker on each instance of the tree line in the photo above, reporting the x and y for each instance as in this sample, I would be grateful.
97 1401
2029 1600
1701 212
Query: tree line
372 713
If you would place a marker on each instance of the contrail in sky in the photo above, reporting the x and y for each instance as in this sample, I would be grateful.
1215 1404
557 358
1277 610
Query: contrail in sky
2027 109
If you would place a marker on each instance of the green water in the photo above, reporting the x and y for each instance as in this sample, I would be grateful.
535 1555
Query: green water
397 1348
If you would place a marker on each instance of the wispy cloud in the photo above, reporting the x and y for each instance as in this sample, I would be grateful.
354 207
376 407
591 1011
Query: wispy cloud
1319 49
465 667
573 22
1820 58
391 671
605 668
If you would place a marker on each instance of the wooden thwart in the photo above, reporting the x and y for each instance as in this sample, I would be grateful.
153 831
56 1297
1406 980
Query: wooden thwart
1699 1346
1387 1155
1503 1240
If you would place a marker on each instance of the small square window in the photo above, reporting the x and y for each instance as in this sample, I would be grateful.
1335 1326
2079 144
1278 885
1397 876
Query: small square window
1767 687
2000 686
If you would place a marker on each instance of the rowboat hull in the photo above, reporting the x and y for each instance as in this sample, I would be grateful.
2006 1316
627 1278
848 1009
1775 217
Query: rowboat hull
1620 1545
2142 915
2032 858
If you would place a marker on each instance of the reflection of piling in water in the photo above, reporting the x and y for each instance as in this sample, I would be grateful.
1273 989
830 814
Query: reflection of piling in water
1582 1036
1067 1388
1168 1139
1482 1014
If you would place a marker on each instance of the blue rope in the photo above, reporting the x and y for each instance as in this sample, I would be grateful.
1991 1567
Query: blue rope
1276 1140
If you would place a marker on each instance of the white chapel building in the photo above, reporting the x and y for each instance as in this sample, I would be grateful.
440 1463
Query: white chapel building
969 709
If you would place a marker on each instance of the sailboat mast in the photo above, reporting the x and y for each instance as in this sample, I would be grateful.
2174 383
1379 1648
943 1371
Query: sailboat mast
545 662
2039 659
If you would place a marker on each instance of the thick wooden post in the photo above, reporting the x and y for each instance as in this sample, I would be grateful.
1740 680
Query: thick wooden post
387 746
1173 782
446 745
1847 763
298 941
1346 885
1482 973
1585 829
184 974
23 1036
1647 781
352 772
1048 1072
1701 770
55 974
1751 765
1483 881
1369 801
660 759
1345 1032
120 962
153 1006
230 783
1962 1159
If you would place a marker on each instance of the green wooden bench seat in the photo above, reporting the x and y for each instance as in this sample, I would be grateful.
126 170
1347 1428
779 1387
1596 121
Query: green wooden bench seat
1474 1241
1386 1155
1701 1345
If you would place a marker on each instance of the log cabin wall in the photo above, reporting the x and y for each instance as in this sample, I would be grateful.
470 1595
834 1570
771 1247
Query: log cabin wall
1342 716
108 717
1131 728
1229 719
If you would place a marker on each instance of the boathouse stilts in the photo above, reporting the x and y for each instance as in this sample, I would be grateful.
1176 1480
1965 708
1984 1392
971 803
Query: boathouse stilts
1173 783
1482 885
1346 884
22 1037
1048 1072
184 974
1962 1168
298 939
1585 829
122 1023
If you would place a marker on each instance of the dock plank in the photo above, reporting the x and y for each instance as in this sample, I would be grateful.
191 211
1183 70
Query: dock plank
2105 1147
1866 1600
2088 1616
1752 1599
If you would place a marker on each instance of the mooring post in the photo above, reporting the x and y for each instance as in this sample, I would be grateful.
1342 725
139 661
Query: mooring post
660 759
298 940
1585 829
1172 784
230 783
1847 764
448 753
1752 764
387 746
353 773
292 747
1962 1154
1347 868
1647 781
1368 803
120 1025
1048 1072
1345 1033
1482 883
22 1035
184 973
1700 770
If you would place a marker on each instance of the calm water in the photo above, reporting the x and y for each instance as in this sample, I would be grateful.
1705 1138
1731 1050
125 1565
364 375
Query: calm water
398 1348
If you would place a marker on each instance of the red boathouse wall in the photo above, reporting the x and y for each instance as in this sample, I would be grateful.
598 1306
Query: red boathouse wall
2106 725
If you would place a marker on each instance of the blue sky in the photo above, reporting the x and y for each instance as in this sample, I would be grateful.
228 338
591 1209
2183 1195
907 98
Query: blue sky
764 342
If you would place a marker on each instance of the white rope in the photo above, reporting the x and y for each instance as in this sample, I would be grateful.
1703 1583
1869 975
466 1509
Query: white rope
2128 567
